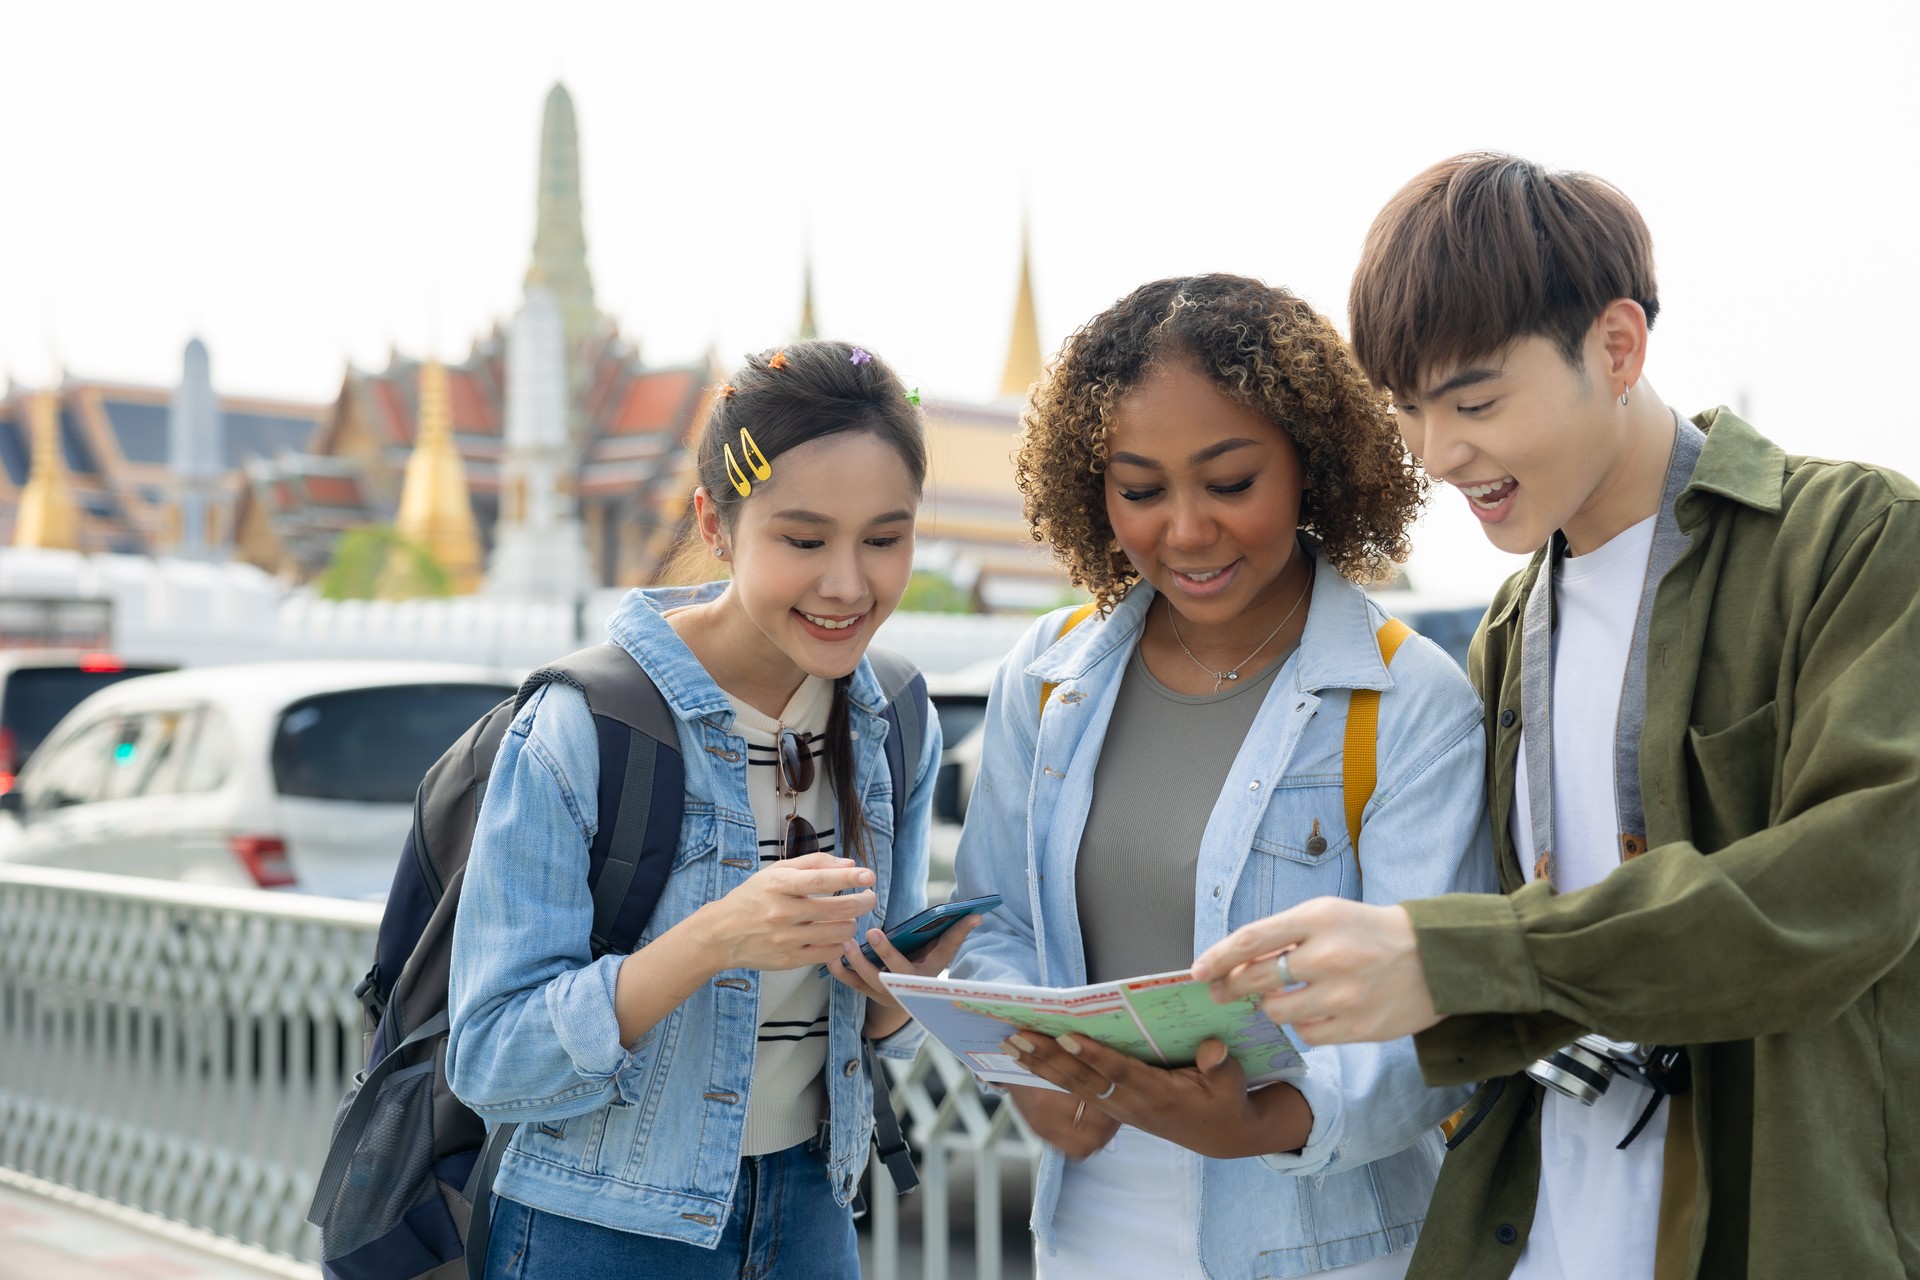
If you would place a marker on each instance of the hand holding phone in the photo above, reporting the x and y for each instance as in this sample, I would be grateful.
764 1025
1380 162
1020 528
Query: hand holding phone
920 931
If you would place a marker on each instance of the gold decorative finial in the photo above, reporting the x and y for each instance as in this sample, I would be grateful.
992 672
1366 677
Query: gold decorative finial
48 515
1023 344
436 514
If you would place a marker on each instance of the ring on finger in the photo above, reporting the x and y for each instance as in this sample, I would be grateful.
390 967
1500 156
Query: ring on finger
1111 1086
1282 967
1079 1111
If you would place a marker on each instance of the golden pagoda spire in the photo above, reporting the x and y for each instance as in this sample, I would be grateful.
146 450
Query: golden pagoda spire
48 515
1023 344
436 514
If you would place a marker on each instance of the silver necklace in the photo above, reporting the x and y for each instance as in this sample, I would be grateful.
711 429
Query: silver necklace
1233 672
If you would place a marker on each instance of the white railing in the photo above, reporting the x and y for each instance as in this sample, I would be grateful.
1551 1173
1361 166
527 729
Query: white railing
180 1050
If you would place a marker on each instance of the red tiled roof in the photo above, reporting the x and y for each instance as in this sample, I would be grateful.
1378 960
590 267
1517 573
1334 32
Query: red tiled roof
391 407
333 491
473 409
654 401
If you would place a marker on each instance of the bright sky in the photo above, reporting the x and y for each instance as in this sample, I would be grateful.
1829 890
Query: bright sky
304 186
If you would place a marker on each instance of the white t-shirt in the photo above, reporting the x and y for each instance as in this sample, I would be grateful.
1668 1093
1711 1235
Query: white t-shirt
1599 1208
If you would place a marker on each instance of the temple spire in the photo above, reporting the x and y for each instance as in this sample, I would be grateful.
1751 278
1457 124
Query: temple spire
560 238
196 455
1023 344
48 515
808 329
436 514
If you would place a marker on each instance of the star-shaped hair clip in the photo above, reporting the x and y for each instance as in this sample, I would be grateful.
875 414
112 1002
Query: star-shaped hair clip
859 356
778 362
913 396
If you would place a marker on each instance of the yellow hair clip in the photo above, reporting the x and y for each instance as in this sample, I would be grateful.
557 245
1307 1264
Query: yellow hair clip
741 484
762 469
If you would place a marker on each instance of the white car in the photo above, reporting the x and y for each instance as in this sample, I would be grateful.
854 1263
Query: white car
277 775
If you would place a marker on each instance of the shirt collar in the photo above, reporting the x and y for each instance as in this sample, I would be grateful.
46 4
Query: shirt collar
1337 650
640 627
1738 462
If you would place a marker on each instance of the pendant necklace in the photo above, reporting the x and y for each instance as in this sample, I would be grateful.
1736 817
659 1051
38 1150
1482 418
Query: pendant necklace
1233 672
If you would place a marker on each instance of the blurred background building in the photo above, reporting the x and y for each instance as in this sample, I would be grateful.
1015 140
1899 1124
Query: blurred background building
549 461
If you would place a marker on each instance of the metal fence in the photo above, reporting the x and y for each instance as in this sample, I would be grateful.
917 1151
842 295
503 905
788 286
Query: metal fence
180 1050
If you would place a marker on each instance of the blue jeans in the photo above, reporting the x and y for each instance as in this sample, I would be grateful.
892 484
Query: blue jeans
785 1225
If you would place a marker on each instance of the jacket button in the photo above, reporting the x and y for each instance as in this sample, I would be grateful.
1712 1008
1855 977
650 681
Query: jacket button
1316 845
1505 1233
853 1067
1506 718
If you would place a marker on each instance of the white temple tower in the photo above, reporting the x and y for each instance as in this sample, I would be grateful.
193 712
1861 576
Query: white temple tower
197 457
539 545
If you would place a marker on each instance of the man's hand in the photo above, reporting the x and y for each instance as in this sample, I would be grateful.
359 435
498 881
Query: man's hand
1360 966
1204 1108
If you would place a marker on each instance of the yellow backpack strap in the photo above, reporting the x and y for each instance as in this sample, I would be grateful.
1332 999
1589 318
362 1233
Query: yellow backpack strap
1074 619
1358 765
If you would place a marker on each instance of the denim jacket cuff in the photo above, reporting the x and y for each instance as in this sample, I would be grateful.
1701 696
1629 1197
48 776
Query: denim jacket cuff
902 1044
1320 1086
580 1004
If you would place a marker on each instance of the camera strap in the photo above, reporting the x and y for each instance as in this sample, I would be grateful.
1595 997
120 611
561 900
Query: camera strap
1536 671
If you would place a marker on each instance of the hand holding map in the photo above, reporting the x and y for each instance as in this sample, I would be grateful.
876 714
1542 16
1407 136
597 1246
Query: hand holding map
1160 1019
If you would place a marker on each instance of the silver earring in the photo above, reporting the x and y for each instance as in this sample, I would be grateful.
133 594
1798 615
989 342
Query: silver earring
719 553
1623 399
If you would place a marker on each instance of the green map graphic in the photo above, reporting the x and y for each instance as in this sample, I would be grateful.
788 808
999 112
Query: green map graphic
1181 1016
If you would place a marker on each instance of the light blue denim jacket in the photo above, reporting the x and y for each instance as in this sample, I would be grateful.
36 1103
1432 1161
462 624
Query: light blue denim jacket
646 1137
1359 1188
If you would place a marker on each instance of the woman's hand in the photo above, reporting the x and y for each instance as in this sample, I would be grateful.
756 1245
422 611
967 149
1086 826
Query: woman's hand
788 915
1061 1120
884 1014
1204 1108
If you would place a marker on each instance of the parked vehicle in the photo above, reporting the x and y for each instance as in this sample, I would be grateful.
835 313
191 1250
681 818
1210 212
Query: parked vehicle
960 698
38 686
288 775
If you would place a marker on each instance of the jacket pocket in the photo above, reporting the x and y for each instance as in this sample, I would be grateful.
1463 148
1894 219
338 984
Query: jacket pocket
1731 773
1299 851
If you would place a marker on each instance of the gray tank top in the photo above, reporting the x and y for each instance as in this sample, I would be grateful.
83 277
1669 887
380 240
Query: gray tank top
1165 757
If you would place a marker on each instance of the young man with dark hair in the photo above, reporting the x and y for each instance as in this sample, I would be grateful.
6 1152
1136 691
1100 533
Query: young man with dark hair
1703 718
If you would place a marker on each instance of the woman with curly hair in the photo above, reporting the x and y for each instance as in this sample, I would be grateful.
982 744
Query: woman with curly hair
1212 467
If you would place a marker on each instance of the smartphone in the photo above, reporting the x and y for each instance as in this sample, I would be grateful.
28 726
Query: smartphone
924 928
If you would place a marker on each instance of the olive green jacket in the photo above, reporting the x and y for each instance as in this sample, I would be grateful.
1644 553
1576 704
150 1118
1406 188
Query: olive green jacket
1769 926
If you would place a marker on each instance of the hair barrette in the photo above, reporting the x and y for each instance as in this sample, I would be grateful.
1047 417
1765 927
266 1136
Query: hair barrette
779 360
724 391
913 396
741 485
750 450
859 357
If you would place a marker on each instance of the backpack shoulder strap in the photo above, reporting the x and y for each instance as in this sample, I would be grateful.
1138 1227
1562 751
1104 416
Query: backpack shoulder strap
1358 766
613 685
1074 619
619 689
905 691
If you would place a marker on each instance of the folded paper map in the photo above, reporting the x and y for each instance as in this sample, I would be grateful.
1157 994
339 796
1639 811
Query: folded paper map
1160 1019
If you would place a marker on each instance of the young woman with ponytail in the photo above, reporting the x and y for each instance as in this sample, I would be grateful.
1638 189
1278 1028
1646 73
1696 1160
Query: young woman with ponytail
698 1108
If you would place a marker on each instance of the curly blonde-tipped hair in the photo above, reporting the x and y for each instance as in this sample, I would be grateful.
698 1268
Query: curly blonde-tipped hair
1266 349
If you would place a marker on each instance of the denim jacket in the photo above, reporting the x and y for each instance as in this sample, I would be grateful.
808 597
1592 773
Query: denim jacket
1359 1188
645 1137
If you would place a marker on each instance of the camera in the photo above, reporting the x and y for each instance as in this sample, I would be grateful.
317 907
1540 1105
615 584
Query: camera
1583 1070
